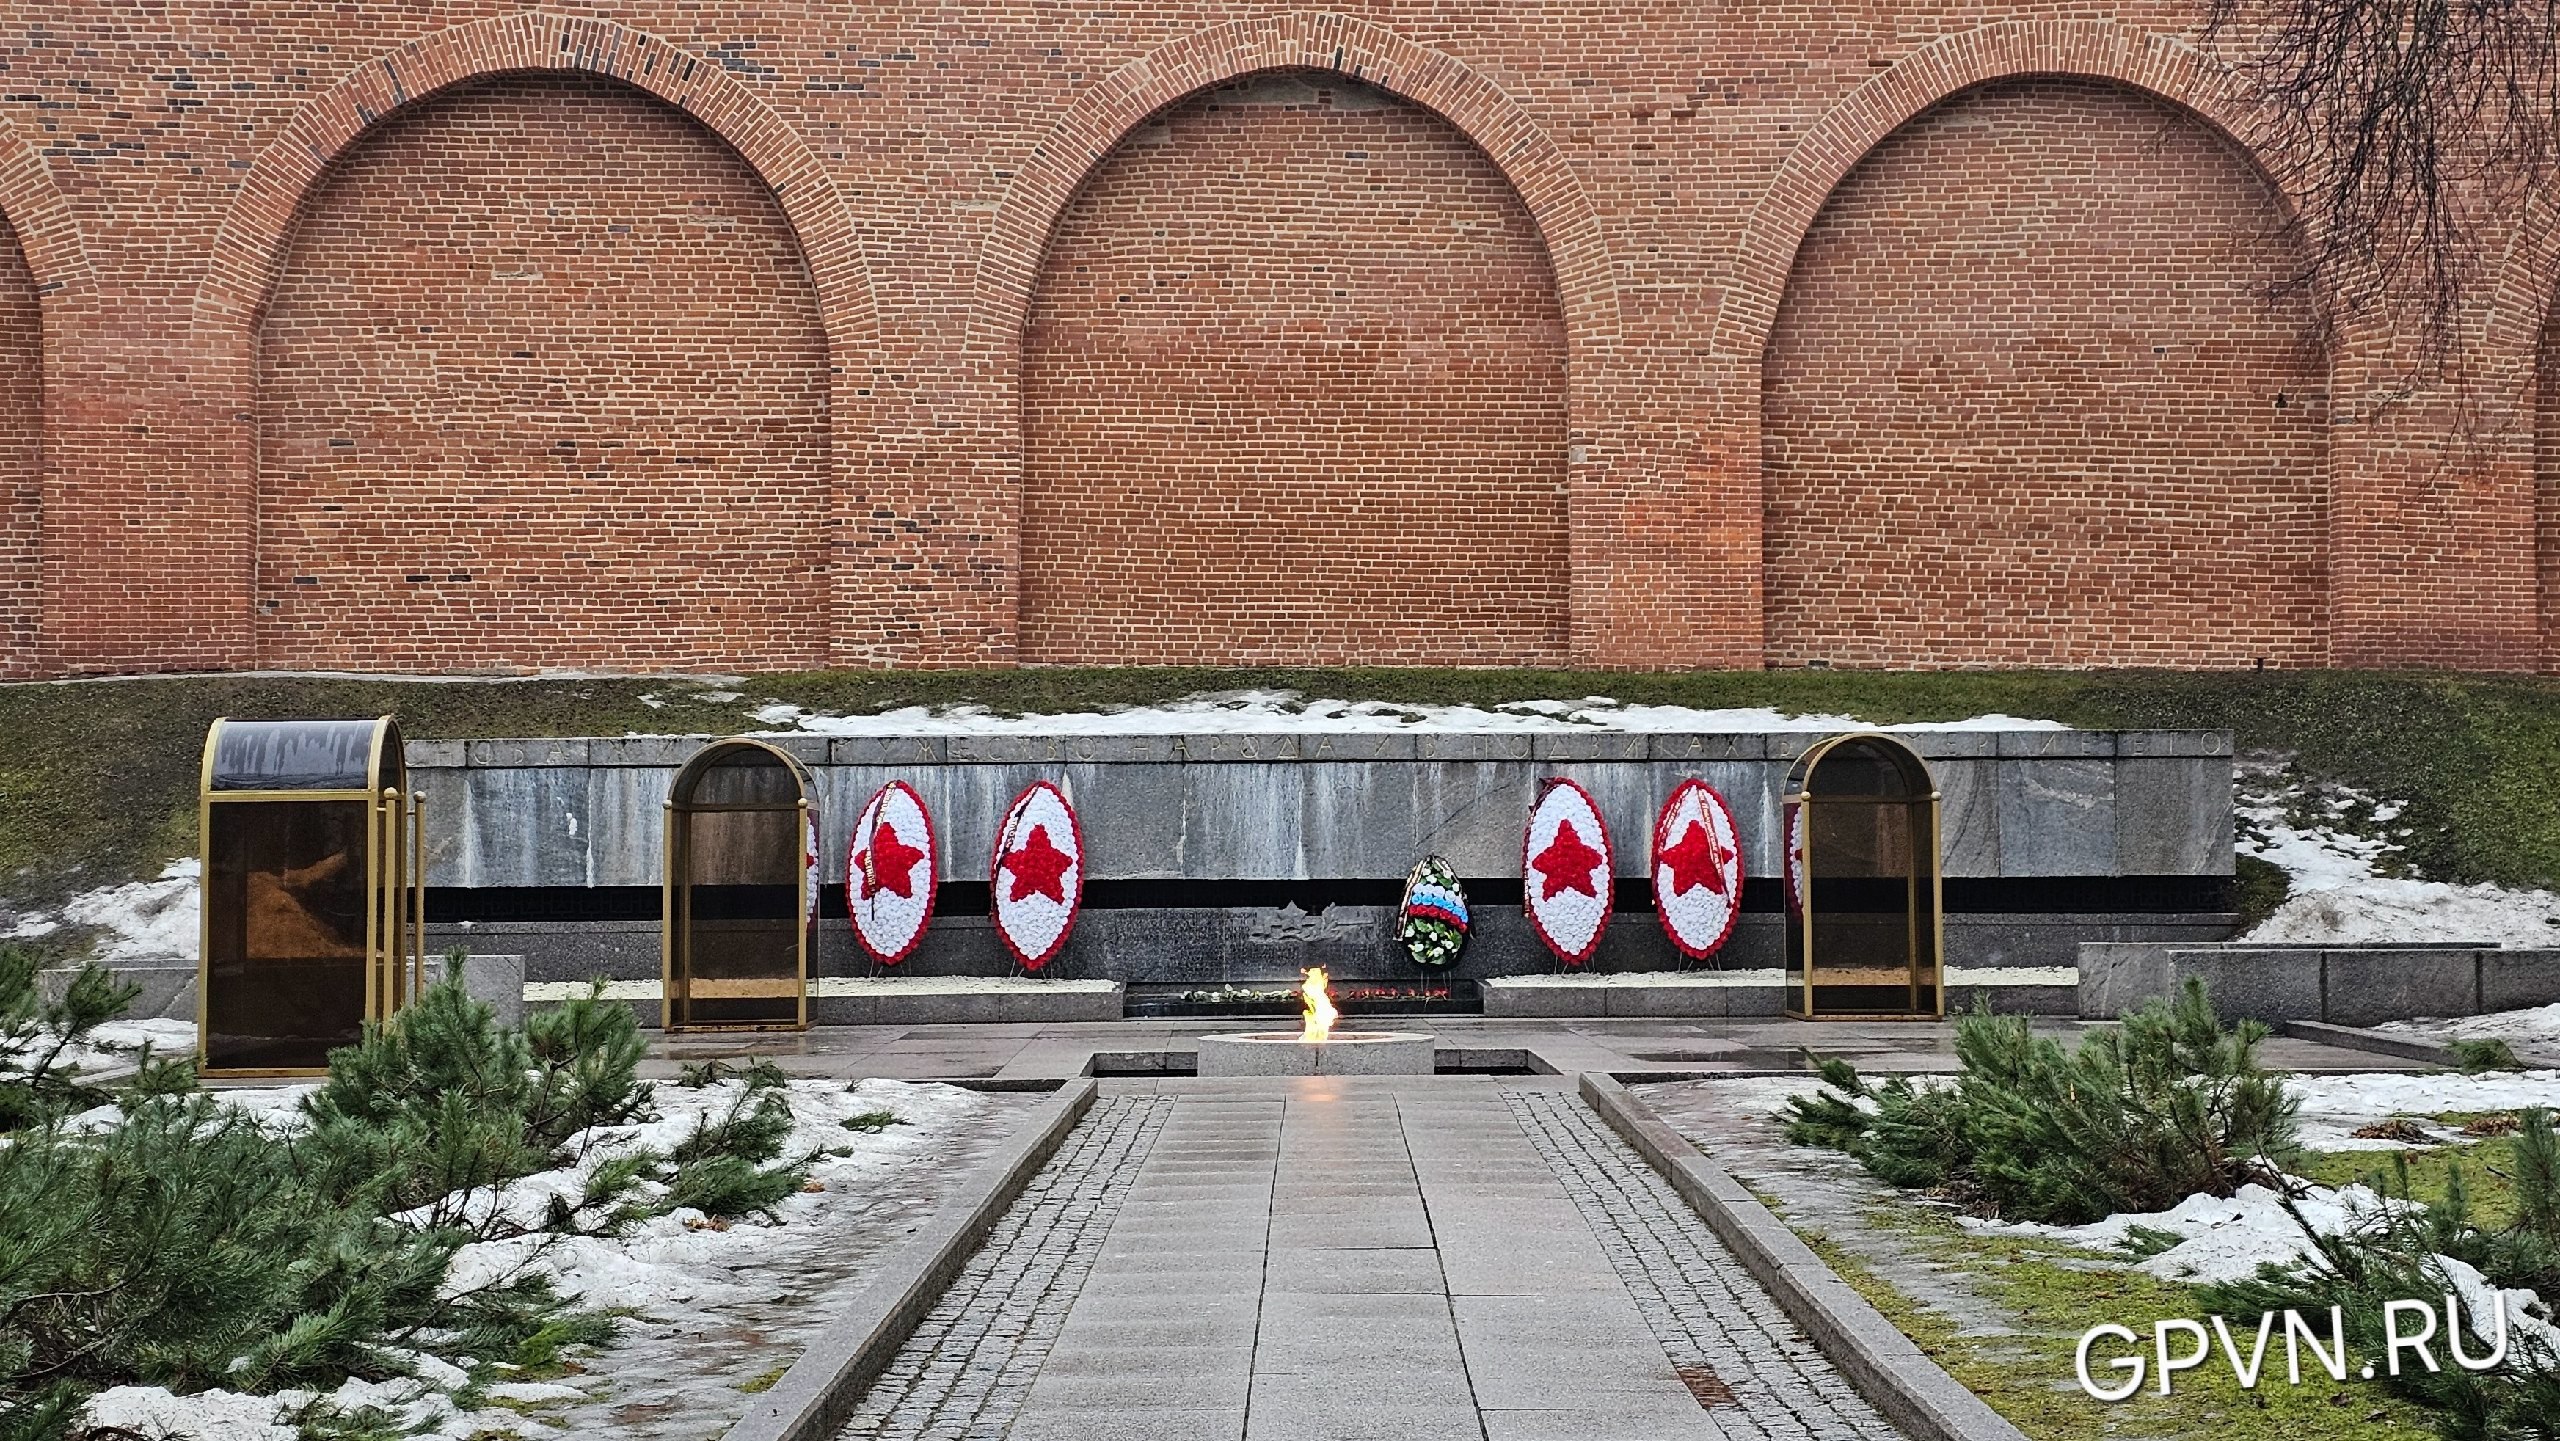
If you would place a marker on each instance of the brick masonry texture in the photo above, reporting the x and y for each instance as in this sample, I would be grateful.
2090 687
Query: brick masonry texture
2020 411
1293 390
1932 334
21 454
576 416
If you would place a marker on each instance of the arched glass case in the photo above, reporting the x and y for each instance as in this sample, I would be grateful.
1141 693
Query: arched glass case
314 891
1864 932
741 890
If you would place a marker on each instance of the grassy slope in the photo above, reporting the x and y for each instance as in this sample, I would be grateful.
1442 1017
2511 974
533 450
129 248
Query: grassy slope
2056 1295
97 779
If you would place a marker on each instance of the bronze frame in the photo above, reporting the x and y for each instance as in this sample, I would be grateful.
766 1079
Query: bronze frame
675 934
395 870
1800 800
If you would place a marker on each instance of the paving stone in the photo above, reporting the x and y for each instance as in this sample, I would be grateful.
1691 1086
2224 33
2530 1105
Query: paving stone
969 1365
1195 1269
1701 1306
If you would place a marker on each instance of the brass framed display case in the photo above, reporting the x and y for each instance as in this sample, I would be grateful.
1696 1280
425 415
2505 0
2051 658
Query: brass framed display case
314 891
741 906
1865 934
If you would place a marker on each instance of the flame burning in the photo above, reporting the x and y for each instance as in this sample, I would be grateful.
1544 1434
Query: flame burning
1321 1015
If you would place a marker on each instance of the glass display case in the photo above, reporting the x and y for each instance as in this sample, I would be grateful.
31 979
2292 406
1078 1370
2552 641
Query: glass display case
314 891
741 890
1864 935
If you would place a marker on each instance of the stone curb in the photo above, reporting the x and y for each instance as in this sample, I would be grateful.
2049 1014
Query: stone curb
1885 1365
815 1398
2399 1047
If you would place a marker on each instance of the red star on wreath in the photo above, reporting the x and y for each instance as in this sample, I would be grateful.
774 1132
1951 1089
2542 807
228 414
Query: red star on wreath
1037 868
889 864
1697 861
1567 864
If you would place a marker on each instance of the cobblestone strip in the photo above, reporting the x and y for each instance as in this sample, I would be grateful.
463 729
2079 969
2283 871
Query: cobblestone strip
1703 1307
965 1371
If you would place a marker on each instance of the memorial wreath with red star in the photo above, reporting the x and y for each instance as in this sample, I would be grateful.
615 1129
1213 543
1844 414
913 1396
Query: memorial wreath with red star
1565 871
1037 874
1697 869
890 878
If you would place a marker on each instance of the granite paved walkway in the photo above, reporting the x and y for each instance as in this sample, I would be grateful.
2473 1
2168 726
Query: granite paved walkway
1340 1260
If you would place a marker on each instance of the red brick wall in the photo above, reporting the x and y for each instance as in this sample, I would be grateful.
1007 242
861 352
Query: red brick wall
2546 487
1293 391
542 384
1566 287
21 459
2028 401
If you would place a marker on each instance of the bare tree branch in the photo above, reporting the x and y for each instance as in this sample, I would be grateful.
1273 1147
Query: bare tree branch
2404 130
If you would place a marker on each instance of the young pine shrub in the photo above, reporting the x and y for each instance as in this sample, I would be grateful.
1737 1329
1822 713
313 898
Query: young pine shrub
36 1034
2399 1253
2169 1104
2477 1057
189 1248
721 1170
438 1106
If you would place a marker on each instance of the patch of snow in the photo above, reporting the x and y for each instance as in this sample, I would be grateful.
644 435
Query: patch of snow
276 1109
139 921
117 1043
1280 712
2223 1239
2537 1025
2334 1107
2528 1316
2340 893
417 1405
2229 1239
680 1263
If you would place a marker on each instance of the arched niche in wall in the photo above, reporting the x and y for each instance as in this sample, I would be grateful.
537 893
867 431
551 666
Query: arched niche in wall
542 380
2033 398
1293 390
740 914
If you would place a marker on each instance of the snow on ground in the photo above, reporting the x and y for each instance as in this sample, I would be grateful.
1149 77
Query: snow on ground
2537 1026
2221 1239
120 1043
2229 1239
419 1406
677 1263
139 921
678 1273
1273 711
2341 890
2334 1107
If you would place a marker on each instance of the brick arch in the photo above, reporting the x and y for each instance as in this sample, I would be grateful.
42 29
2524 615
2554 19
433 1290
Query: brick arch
47 231
1009 264
1049 180
2098 50
2512 363
249 251
1965 463
50 272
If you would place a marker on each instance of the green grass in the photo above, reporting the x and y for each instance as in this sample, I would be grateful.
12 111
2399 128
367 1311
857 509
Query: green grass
2056 1295
97 779
2484 1173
